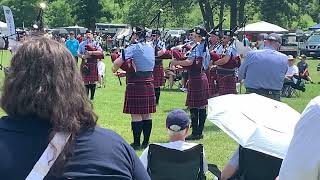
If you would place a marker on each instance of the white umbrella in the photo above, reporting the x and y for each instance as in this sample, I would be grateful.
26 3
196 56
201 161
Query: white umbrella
262 27
255 122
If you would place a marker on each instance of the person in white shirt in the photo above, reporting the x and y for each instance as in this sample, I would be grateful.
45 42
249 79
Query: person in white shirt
292 68
101 72
177 124
302 160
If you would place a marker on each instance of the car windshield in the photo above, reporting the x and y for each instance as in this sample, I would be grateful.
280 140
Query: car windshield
314 39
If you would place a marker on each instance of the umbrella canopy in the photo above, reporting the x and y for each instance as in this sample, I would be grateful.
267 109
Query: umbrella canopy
315 27
76 29
262 27
255 122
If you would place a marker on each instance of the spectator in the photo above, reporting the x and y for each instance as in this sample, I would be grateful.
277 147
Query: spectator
303 69
101 72
264 70
43 95
79 38
292 68
73 45
303 158
177 124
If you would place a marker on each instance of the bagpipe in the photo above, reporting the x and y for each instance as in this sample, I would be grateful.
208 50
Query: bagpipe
95 54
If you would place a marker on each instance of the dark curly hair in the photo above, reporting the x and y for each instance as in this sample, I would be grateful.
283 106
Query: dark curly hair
44 81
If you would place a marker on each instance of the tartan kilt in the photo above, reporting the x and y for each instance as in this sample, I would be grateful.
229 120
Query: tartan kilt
92 77
198 93
158 75
210 84
139 96
214 78
226 84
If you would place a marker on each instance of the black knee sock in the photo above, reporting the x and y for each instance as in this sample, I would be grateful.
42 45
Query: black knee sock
87 89
194 112
147 127
202 120
92 91
136 131
157 94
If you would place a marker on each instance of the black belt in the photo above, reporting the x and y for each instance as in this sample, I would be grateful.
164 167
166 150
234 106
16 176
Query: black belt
140 74
226 71
263 91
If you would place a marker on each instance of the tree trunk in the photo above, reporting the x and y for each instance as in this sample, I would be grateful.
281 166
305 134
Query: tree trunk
241 15
207 14
233 14
221 14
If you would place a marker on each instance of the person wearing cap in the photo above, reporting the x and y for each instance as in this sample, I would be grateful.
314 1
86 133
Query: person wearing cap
264 70
197 94
139 96
226 65
89 51
158 71
215 52
73 45
292 68
177 124
303 69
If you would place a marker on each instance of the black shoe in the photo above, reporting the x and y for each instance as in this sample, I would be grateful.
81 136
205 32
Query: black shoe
200 136
192 137
135 146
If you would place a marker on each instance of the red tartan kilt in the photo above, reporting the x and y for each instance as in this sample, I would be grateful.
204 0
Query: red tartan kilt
139 96
226 84
210 84
198 93
93 75
158 76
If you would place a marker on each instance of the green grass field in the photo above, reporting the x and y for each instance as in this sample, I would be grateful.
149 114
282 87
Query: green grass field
219 147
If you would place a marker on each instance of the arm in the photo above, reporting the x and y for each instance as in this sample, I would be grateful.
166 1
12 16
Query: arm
244 66
187 62
223 60
117 64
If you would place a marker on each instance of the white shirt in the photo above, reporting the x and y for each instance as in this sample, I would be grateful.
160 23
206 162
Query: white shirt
177 145
101 68
292 70
303 157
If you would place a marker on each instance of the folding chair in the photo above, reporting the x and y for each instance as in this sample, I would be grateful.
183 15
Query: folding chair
170 164
254 165
176 81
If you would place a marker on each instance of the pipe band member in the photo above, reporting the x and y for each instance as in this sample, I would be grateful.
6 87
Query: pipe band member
158 71
197 94
139 95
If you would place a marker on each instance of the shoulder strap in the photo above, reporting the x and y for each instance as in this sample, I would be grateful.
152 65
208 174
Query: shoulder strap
49 156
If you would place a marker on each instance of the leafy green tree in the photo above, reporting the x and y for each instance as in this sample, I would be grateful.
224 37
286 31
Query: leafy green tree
59 14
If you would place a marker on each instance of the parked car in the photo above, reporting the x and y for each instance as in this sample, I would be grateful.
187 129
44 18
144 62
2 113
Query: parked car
175 33
289 44
312 46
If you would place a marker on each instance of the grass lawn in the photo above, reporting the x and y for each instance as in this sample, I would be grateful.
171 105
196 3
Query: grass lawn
219 147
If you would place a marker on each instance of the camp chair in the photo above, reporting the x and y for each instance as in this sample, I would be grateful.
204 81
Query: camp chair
176 80
254 165
170 164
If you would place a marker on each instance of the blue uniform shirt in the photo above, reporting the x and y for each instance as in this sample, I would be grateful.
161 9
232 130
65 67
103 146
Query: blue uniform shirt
142 55
198 52
73 46
264 69
160 44
82 46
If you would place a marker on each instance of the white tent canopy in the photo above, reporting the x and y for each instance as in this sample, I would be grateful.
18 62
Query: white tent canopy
262 27
3 28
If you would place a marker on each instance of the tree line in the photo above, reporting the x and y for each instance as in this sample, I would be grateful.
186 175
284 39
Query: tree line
290 14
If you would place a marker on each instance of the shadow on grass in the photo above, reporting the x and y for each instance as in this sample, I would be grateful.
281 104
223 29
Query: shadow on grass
211 127
170 90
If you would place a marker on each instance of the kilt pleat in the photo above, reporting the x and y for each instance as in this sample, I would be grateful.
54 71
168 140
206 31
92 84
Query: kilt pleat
198 91
139 96
92 77
158 76
226 84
